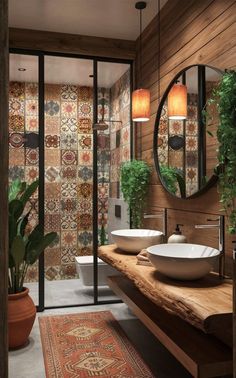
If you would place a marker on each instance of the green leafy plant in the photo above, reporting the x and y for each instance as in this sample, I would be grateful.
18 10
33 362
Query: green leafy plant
135 176
225 98
25 244
172 178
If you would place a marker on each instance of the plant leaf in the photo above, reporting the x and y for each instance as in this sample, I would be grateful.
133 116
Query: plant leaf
17 250
29 191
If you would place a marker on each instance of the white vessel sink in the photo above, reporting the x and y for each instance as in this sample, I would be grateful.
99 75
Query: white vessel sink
134 240
183 261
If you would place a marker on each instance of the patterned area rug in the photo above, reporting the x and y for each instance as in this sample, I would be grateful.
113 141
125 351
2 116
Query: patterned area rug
89 345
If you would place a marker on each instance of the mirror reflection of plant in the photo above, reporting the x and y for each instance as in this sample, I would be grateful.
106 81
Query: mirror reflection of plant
25 243
225 99
135 176
173 178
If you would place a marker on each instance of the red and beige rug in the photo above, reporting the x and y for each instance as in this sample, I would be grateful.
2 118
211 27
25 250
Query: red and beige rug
89 345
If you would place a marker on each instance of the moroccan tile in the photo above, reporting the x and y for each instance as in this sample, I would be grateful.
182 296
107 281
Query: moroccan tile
53 273
191 174
32 274
103 141
68 271
16 122
125 135
69 141
85 205
69 221
102 219
31 123
52 92
52 141
162 142
85 251
191 188
69 92
69 109
85 221
68 254
16 107
85 174
52 125
69 157
16 140
52 157
192 159
52 108
31 156
103 176
114 173
103 157
69 189
52 222
52 256
103 205
84 125
69 124
69 238
16 89
176 159
52 205
192 127
115 157
84 141
85 158
163 127
31 173
103 190
191 143
31 107
192 112
163 157
85 93
68 205
16 156
16 172
85 190
125 153
175 127
52 190
52 174
85 238
192 99
31 91
68 173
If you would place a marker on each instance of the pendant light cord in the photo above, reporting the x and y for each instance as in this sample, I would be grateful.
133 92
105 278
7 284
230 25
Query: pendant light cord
140 49
159 50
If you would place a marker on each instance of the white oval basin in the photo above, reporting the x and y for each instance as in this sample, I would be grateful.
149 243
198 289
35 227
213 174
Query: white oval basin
134 240
183 261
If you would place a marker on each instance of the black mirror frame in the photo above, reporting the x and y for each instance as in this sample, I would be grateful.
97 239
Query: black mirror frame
214 176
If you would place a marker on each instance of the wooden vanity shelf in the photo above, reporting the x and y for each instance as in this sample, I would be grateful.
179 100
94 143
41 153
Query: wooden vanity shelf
180 314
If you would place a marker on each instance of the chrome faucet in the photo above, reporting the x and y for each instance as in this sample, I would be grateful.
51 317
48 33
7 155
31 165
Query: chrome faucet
221 227
162 215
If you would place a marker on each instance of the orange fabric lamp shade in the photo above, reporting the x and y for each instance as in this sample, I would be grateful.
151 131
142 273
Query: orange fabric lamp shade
177 102
141 105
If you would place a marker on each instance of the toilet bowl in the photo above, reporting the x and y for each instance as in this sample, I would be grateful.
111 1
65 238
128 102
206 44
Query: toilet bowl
84 268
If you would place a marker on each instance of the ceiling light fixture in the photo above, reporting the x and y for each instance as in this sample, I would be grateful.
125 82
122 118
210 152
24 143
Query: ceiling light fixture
177 102
140 97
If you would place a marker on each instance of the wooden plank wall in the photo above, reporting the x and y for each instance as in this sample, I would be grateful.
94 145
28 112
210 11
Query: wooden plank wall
192 31
3 187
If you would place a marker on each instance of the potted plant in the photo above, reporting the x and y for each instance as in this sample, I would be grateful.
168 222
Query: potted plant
25 246
224 97
135 176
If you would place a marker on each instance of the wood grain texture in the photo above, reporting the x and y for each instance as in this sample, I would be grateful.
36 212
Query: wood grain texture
201 354
71 43
4 63
197 32
205 303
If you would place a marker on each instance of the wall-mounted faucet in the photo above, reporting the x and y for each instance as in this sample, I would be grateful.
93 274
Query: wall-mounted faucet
162 215
221 227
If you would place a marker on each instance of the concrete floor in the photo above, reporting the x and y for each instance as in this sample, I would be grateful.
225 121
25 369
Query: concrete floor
28 362
69 292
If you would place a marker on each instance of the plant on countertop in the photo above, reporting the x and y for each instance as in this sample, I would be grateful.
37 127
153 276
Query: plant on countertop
25 244
225 98
135 176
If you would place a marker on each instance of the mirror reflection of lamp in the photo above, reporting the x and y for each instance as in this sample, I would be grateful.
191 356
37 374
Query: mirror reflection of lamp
177 102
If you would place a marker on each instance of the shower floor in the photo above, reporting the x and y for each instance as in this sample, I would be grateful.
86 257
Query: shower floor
69 292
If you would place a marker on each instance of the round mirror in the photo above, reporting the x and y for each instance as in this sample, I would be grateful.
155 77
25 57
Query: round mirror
185 142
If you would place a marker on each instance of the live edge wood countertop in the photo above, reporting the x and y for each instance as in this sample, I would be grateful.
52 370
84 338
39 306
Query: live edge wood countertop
205 303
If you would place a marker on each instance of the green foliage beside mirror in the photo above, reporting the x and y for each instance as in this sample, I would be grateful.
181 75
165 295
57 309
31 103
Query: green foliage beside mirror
135 176
173 179
25 244
225 98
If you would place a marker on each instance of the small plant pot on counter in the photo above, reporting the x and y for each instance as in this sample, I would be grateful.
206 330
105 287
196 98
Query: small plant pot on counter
21 316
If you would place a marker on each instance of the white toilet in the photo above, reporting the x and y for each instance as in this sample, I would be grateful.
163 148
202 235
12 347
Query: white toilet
84 268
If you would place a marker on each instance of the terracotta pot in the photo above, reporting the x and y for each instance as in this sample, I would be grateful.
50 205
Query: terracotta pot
21 316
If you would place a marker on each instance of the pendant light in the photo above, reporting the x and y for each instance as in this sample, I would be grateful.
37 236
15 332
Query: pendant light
140 97
177 102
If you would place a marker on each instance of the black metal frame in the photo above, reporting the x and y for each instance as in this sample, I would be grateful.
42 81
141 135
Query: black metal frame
41 55
214 177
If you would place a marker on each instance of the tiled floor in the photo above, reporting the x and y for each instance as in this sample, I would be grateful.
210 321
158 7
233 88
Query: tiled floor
28 362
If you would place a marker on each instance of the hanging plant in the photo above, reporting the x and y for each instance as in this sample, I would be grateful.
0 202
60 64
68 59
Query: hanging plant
135 176
225 98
